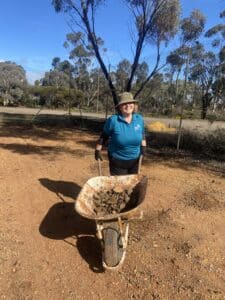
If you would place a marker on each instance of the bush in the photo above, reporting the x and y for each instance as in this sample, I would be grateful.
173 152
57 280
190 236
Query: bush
210 144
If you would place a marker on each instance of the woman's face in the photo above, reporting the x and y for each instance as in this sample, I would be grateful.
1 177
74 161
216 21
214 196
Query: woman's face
127 108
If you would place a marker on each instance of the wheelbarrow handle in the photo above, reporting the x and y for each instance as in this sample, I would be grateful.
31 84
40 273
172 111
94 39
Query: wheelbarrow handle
99 168
140 163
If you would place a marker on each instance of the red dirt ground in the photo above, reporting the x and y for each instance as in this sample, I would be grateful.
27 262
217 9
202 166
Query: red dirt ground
47 251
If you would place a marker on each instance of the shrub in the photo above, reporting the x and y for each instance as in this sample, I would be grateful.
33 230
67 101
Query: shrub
210 144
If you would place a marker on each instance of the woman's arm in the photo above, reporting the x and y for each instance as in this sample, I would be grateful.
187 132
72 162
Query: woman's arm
102 140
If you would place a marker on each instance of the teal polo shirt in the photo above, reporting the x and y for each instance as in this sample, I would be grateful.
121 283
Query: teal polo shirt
125 139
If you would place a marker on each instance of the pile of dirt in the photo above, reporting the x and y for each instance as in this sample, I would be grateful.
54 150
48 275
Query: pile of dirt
202 200
160 127
111 201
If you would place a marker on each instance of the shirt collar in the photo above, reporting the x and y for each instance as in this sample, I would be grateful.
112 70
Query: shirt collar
121 118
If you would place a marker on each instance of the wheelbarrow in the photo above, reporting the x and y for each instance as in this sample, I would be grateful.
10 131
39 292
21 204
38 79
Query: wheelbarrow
112 229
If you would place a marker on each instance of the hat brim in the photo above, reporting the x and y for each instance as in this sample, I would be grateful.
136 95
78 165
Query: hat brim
127 101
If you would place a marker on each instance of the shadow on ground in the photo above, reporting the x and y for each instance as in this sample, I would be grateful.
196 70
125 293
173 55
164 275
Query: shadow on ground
28 149
23 124
91 144
62 222
32 131
183 159
65 188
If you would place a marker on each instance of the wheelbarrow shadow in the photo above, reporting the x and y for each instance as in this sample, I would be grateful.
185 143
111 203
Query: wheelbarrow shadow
62 221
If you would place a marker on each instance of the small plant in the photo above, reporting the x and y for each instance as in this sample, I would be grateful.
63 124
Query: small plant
211 118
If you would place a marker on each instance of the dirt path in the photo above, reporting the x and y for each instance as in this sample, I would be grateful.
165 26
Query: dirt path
47 251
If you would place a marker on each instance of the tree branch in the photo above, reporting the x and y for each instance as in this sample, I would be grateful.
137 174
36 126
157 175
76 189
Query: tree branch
93 41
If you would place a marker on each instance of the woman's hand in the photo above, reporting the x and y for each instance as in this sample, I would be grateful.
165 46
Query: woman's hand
98 155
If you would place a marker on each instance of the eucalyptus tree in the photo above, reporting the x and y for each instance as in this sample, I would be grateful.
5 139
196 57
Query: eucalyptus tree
154 21
218 88
204 73
191 29
61 74
56 62
12 81
217 33
153 96
81 54
175 62
55 78
122 74
95 89
141 73
65 67
183 57
123 71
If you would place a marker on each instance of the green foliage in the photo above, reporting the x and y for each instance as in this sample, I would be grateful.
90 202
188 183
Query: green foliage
53 97
11 76
193 26
222 54
165 21
211 144
214 30
56 78
12 82
175 60
222 14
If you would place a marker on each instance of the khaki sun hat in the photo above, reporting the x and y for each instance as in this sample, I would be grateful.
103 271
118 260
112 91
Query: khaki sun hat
125 97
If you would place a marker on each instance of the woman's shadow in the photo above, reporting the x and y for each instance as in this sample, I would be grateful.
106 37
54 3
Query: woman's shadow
62 221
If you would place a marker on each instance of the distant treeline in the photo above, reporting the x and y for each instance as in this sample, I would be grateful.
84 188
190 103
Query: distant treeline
190 83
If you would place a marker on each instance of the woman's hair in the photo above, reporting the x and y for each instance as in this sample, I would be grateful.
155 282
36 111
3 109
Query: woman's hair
134 111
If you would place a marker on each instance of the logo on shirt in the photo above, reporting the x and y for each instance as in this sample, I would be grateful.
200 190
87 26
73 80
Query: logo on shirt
137 127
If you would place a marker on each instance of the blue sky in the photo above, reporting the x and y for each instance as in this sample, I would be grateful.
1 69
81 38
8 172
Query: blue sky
31 33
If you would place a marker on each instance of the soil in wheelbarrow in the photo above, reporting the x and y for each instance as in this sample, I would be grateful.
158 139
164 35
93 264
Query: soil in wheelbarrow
113 201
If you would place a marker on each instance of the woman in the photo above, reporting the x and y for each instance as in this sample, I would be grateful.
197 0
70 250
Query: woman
125 132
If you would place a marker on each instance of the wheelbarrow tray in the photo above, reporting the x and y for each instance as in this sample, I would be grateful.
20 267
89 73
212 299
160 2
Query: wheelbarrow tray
84 204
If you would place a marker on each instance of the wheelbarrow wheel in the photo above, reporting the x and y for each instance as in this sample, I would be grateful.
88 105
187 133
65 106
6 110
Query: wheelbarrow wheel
113 248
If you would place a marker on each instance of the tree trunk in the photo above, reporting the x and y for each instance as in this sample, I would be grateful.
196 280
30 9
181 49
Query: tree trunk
206 100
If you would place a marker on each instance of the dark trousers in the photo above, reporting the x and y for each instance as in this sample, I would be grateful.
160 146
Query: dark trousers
122 167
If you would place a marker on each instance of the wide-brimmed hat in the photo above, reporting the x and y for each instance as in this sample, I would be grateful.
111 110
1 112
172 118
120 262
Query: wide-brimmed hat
125 97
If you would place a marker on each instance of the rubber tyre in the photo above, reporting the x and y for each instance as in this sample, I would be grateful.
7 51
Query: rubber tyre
113 249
